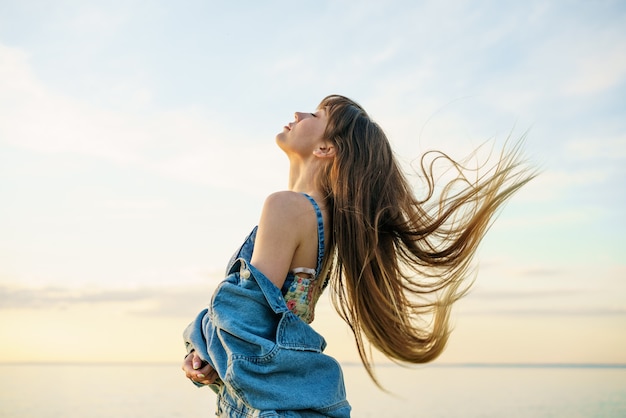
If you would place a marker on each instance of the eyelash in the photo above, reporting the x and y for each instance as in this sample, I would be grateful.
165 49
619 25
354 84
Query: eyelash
313 114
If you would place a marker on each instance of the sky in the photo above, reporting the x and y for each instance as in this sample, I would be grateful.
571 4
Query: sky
137 147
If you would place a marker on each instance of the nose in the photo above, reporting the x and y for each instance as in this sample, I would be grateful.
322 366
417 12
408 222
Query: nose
300 115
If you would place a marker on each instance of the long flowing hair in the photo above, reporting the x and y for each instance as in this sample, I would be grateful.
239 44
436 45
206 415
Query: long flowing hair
398 263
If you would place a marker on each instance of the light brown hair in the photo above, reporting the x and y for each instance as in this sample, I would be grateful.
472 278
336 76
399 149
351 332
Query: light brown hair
397 263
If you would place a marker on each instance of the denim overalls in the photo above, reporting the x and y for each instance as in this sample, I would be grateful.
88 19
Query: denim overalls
270 362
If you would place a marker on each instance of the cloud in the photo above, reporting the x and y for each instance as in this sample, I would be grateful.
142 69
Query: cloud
511 286
93 19
595 69
598 148
173 301
188 144
560 300
555 183
533 289
439 83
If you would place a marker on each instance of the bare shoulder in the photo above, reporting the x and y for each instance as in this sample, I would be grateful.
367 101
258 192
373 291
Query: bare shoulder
287 205
288 214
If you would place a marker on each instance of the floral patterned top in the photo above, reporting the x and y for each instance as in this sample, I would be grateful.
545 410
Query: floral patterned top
303 293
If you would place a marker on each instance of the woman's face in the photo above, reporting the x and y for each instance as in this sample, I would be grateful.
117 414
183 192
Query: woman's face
304 134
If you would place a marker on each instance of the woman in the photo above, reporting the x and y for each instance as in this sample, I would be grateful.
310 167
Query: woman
395 265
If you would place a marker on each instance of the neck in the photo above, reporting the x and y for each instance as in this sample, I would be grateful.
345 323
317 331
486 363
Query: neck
303 176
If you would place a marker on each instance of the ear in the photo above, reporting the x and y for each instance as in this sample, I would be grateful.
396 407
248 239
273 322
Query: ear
325 150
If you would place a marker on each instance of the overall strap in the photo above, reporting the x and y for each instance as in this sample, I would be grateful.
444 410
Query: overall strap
320 234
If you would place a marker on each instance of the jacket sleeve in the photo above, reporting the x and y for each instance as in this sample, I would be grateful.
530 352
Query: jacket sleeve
239 321
195 340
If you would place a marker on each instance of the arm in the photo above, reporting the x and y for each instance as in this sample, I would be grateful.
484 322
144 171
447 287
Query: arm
279 234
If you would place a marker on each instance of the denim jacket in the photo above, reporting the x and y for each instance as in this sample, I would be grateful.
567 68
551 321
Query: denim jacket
270 362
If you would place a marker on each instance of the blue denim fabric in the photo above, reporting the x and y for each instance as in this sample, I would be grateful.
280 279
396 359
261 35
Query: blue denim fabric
270 362
268 359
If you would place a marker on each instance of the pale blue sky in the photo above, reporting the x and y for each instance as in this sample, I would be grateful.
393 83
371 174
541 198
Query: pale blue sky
137 142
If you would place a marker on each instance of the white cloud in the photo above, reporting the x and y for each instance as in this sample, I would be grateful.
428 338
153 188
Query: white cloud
554 184
97 19
189 144
607 148
508 287
574 217
173 301
503 286
598 65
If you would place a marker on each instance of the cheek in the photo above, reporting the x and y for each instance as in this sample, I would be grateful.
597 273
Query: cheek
318 131
322 129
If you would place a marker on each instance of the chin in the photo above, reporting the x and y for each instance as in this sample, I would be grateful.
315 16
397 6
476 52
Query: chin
279 140
281 135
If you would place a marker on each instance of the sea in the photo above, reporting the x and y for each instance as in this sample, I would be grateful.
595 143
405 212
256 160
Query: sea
470 390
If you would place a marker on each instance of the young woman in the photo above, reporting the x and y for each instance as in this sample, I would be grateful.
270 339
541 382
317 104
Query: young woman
395 265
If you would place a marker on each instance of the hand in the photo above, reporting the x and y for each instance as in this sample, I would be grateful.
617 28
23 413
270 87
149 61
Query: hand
198 370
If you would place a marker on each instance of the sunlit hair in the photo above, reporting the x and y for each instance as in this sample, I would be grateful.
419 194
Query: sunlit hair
397 263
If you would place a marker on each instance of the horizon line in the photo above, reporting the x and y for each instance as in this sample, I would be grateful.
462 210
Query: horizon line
585 365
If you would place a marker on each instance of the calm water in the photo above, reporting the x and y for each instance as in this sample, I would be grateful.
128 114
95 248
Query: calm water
153 391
